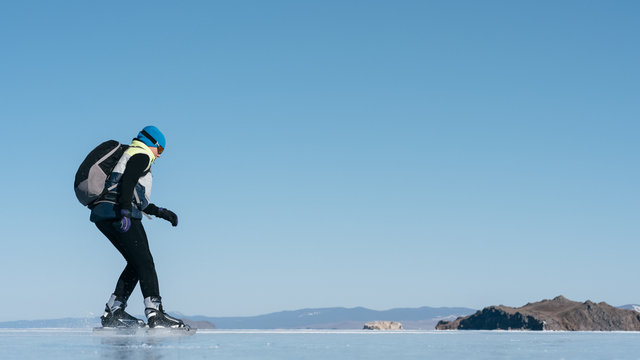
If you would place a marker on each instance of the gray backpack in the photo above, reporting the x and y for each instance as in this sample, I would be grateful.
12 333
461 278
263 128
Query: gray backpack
92 174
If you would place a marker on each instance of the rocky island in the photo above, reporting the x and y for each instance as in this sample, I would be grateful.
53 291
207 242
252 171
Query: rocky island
559 313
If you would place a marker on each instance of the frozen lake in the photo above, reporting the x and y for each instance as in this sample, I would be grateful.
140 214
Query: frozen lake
53 344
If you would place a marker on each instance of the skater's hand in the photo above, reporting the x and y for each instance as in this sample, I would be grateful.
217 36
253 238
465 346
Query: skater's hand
168 215
124 223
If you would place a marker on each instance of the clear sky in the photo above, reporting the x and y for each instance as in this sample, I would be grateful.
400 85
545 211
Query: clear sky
328 153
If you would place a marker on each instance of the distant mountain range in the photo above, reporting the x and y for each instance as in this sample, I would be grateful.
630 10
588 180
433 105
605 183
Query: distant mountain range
318 318
423 318
339 318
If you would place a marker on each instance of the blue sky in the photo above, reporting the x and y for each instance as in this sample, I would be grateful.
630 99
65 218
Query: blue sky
331 153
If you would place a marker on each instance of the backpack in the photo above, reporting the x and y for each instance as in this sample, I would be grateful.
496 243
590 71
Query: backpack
92 174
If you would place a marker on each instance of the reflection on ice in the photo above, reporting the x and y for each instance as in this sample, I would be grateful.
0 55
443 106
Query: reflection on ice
130 348
73 344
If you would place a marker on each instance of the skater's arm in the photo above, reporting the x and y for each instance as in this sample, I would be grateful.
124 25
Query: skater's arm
162 213
132 173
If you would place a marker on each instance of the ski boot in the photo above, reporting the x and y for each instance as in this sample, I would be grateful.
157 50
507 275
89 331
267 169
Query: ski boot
157 318
115 317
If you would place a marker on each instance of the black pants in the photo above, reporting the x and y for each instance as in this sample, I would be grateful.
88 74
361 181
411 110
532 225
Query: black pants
134 246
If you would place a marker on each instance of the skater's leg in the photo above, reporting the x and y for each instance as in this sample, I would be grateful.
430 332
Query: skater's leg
134 247
115 314
127 282
142 260
129 276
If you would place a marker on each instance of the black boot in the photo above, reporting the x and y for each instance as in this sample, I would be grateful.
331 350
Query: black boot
157 318
114 315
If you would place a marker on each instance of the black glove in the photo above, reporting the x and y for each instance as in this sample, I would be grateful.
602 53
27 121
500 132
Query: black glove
168 215
124 223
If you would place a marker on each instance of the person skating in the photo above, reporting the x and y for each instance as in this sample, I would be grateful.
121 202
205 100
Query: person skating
118 215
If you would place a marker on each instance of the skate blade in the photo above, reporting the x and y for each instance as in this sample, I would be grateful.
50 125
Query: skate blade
145 331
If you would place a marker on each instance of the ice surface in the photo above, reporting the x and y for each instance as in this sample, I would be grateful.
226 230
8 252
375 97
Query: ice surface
58 344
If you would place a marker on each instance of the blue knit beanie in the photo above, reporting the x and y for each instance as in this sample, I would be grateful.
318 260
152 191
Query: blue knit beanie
155 133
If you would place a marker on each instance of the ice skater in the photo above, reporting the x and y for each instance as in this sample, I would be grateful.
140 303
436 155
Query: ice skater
118 215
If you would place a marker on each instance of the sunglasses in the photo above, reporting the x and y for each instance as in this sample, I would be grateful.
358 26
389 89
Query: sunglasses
146 134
